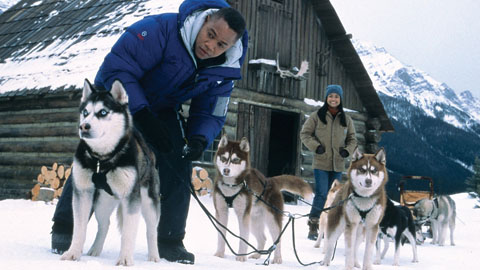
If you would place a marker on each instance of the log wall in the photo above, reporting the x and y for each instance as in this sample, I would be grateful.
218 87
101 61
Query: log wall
35 130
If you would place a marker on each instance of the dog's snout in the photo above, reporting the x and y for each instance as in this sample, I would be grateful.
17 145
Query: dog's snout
226 171
368 182
85 127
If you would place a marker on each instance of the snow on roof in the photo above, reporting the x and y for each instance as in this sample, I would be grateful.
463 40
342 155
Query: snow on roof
65 59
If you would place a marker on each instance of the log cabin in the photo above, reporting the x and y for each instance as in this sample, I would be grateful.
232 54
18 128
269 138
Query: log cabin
38 124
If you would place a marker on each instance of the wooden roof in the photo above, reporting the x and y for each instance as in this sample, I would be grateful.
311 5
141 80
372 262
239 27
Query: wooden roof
26 26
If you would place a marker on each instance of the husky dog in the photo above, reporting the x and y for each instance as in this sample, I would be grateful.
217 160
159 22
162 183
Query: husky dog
112 167
397 222
364 199
441 212
239 186
322 228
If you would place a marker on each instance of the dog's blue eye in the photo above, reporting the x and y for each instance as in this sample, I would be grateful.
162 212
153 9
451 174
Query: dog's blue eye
236 160
223 159
85 113
102 112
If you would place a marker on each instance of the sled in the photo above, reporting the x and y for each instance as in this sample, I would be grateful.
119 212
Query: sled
412 190
415 188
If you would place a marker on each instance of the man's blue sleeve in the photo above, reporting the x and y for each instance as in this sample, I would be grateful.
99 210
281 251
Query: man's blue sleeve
138 50
208 112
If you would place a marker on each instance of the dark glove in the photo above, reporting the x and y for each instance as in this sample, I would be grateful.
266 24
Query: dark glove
320 149
194 148
343 152
153 130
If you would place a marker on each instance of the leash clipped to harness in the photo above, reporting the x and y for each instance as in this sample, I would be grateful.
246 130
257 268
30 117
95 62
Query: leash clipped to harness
99 179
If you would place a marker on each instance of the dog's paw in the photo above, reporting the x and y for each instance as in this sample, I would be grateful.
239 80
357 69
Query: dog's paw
153 258
219 254
357 264
71 255
241 258
367 267
125 260
277 260
377 262
255 256
317 245
415 261
94 251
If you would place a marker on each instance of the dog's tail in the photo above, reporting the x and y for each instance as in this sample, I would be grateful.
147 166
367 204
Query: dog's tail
293 184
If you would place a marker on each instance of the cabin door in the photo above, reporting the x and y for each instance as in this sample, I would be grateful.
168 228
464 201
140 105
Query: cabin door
273 137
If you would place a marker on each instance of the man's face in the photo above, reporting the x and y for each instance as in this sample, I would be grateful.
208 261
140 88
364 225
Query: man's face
214 38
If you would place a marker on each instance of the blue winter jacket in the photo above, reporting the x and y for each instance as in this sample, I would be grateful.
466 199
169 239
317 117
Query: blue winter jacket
155 62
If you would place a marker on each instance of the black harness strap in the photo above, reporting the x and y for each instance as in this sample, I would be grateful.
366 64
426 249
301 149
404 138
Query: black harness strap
363 213
99 179
229 199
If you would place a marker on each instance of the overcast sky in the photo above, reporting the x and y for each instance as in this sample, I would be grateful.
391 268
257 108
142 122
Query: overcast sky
440 37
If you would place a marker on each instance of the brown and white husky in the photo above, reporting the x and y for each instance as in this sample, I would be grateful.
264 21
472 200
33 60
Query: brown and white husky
363 207
237 185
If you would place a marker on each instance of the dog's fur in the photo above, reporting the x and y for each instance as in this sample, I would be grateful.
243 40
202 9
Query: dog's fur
441 212
110 145
322 224
362 194
236 179
397 222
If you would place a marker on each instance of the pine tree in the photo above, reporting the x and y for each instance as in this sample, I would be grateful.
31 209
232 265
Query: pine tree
473 182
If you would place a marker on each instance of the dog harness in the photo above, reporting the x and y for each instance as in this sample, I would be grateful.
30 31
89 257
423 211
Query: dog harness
229 199
99 179
363 213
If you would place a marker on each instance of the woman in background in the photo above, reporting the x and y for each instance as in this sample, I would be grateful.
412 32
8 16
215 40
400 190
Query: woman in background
330 134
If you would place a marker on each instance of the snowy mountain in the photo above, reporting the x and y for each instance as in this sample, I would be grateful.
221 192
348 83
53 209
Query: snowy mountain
6 4
436 132
393 78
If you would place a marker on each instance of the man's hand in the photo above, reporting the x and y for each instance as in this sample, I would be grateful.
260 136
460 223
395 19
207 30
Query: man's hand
153 130
194 148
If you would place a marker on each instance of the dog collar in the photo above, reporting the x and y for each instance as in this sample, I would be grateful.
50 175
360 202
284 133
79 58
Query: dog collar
231 186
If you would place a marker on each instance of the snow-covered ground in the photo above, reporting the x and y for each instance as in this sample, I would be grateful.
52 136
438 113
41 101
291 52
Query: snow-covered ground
25 243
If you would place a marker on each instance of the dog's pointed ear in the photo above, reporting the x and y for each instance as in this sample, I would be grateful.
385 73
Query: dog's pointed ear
335 184
87 90
380 156
244 145
356 154
119 93
223 141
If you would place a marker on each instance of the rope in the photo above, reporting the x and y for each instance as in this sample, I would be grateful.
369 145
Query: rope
269 251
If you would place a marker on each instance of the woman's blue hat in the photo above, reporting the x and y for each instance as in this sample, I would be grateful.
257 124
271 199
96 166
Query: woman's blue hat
334 88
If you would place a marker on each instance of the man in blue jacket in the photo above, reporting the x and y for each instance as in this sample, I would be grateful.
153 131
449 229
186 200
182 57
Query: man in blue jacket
163 61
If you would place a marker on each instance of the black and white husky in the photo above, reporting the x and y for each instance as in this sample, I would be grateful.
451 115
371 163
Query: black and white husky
112 167
397 223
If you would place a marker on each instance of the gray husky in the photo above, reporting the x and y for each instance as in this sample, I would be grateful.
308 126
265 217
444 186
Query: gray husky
112 167
441 212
